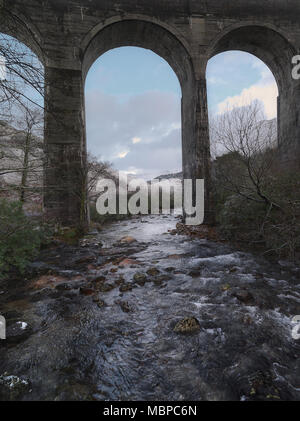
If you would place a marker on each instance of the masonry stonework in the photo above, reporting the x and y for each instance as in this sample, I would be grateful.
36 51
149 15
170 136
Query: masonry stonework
69 36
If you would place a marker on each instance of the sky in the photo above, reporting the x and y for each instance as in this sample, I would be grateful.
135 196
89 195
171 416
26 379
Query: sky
133 105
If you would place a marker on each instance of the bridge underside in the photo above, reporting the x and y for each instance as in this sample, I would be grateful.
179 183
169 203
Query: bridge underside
69 36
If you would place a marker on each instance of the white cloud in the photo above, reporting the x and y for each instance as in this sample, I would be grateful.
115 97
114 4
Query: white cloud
265 90
150 121
123 155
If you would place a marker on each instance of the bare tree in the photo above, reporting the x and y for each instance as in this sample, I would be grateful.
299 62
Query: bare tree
21 153
21 73
260 196
97 170
21 111
245 133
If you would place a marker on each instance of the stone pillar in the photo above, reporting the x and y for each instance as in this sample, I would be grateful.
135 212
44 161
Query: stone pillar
196 142
289 123
203 156
297 122
65 193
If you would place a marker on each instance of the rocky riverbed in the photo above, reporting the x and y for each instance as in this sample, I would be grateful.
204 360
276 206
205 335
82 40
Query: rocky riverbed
138 313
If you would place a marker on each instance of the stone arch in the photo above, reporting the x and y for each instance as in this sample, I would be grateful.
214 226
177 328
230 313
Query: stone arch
276 51
144 34
148 35
153 36
268 45
135 17
18 27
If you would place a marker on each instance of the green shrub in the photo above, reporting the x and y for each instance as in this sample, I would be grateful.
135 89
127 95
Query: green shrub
68 235
20 238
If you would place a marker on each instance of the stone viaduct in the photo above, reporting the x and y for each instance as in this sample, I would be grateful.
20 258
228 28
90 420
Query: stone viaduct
69 35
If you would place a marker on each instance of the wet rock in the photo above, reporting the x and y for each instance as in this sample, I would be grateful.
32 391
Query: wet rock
87 291
261 387
121 251
248 320
119 281
243 296
69 274
112 252
18 332
170 269
85 260
92 241
140 278
187 325
100 260
117 261
77 284
127 262
125 306
64 287
48 281
101 304
175 256
12 387
128 240
158 281
73 391
153 272
106 287
41 295
12 315
70 294
195 273
40 268
125 288
98 279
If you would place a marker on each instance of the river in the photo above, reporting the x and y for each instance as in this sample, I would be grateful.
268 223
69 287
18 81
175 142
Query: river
97 322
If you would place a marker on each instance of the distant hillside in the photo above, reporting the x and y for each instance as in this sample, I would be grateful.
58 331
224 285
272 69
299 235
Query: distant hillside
12 152
178 175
